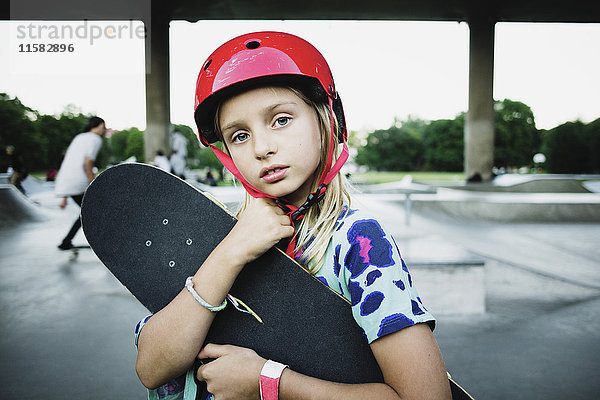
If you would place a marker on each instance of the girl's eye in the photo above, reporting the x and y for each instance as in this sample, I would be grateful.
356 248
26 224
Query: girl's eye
240 137
282 121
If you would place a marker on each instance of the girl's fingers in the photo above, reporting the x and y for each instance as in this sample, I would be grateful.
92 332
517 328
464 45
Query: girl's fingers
213 351
285 220
288 231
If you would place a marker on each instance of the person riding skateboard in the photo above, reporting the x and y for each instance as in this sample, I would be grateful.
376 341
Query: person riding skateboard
77 170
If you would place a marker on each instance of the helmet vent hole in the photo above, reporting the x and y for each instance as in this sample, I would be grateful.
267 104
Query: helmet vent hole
207 64
254 44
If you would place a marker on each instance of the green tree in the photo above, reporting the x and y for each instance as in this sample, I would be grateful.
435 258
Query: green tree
443 141
55 135
592 138
124 144
135 144
414 126
117 144
392 149
566 149
516 137
18 129
42 139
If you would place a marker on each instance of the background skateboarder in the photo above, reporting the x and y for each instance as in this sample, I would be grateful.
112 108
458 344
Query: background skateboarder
77 170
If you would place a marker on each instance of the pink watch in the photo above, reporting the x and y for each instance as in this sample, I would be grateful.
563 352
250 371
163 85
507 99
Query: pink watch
269 380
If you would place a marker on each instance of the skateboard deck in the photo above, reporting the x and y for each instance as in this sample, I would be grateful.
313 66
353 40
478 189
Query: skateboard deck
152 230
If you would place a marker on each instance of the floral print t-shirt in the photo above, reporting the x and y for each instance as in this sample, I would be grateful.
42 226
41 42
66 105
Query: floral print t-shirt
363 264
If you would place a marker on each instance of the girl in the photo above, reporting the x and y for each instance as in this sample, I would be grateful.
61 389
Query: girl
270 98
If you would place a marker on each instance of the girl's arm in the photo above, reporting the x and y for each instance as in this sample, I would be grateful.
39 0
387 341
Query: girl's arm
410 360
171 339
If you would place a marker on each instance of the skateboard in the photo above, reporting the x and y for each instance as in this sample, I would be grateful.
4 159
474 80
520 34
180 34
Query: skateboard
152 230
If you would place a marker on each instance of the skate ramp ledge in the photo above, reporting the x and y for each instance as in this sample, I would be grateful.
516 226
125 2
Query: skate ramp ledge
513 207
505 207
16 208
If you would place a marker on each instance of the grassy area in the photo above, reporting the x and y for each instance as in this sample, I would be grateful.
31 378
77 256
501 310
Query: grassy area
374 177
38 175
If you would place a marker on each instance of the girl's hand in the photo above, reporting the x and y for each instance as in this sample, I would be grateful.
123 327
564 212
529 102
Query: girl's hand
261 226
234 374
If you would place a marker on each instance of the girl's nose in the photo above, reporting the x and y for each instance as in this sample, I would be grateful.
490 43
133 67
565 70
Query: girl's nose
264 145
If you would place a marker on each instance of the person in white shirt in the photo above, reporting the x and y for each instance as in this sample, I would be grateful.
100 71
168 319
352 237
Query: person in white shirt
77 170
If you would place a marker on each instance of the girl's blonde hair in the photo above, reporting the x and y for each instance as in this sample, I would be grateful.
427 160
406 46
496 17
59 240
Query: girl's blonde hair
315 230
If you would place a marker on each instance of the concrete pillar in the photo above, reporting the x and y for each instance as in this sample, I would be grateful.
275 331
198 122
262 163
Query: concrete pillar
157 83
479 127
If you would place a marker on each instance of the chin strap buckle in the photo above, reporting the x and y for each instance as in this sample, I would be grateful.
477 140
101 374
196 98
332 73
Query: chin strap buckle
296 214
312 199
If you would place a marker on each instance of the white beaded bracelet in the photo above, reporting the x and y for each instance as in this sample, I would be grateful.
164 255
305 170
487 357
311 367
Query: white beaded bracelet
189 285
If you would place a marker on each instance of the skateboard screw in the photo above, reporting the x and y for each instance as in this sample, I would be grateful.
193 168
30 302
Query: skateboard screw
188 242
148 243
171 264
165 221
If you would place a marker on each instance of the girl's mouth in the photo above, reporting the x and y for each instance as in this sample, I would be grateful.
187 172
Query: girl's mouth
273 173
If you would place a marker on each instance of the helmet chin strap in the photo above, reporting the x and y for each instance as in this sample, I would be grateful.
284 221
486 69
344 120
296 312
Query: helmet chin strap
295 213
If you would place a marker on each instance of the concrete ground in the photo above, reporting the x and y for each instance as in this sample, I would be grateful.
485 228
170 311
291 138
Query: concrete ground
540 337
67 323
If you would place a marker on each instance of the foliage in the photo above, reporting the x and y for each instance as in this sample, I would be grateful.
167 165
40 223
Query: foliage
444 144
441 142
414 144
573 147
412 125
134 146
392 149
373 177
516 137
117 144
17 128
41 139
122 145
55 135
592 135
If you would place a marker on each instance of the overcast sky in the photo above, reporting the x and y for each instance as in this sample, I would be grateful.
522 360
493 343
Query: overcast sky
382 69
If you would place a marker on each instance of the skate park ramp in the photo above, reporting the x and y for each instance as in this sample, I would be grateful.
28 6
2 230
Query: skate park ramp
545 198
532 183
16 208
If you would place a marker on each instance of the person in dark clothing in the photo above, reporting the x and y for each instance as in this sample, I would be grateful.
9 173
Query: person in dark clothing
19 173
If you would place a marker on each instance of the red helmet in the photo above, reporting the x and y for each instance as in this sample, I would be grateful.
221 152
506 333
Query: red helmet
258 59
269 58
